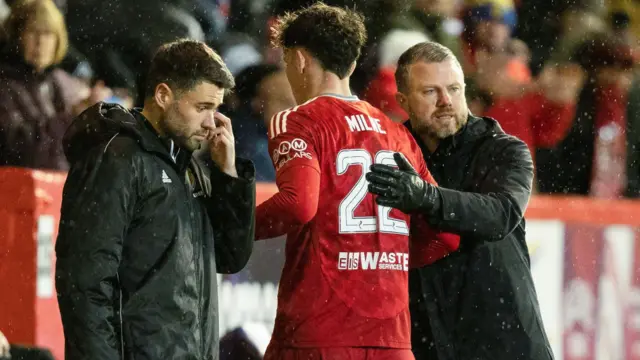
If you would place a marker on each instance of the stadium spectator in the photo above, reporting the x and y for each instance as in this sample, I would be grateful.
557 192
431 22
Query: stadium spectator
539 113
381 91
537 110
591 159
144 227
37 99
261 91
480 301
247 342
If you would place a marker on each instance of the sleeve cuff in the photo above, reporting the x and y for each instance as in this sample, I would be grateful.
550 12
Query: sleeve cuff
246 177
444 211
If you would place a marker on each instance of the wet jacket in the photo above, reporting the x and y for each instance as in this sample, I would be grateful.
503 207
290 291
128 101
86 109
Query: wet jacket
139 246
479 303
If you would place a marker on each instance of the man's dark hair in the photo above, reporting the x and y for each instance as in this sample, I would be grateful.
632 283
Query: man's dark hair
331 34
428 52
183 64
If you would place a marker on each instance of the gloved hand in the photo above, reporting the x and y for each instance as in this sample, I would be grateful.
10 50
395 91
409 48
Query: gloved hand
402 188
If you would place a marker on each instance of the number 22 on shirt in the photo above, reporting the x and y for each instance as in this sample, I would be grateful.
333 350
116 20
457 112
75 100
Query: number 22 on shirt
350 223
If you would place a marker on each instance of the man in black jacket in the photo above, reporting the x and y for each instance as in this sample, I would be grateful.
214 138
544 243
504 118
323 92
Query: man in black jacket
144 228
479 302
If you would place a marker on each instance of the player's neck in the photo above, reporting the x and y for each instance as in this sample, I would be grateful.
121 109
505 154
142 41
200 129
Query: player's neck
332 84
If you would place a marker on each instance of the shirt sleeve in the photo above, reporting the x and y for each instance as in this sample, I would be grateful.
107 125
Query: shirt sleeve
293 150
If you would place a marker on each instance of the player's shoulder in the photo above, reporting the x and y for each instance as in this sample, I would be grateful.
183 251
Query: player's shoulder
286 121
392 127
300 118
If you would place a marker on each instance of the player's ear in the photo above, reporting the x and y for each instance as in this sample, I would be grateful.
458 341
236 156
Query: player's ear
301 61
352 68
403 101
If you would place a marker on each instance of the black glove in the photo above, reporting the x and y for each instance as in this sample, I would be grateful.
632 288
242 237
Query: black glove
402 188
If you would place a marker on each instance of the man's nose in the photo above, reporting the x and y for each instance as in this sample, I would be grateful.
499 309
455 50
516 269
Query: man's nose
209 120
444 99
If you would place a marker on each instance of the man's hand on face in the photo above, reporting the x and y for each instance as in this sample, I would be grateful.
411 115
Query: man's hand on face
401 188
222 144
4 347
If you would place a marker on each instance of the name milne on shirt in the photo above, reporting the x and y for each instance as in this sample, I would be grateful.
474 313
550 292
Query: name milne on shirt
361 123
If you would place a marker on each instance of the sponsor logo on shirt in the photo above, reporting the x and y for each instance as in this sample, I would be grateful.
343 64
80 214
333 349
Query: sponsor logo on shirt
290 150
367 260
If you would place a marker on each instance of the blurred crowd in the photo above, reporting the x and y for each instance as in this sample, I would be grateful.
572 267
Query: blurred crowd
560 75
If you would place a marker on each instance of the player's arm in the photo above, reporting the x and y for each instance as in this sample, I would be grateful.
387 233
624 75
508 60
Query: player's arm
293 151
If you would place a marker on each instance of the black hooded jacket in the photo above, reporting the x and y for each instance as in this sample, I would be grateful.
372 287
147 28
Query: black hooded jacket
139 246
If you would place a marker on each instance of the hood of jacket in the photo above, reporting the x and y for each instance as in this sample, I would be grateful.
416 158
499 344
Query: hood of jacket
102 122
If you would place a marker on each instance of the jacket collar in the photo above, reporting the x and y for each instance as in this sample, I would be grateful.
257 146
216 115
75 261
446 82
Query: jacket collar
162 145
474 128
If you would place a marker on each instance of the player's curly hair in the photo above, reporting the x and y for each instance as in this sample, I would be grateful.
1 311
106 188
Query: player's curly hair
333 35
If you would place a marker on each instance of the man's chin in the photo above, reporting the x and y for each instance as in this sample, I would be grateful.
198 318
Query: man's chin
194 146
445 132
190 145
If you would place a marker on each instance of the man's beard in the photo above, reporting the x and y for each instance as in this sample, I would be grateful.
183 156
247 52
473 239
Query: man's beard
173 128
442 132
436 130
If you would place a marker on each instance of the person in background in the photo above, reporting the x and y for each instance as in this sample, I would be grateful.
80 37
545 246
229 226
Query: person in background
261 92
488 26
381 91
591 159
246 342
479 302
37 99
539 109
439 18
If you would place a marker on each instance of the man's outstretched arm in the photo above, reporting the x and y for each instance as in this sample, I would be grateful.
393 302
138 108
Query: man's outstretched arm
490 215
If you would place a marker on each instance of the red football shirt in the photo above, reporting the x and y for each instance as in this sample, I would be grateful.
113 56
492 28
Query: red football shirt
345 278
